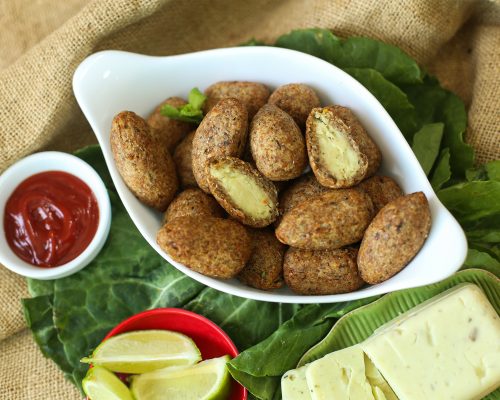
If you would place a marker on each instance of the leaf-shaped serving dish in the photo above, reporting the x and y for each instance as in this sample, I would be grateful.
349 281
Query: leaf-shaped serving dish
112 81
358 325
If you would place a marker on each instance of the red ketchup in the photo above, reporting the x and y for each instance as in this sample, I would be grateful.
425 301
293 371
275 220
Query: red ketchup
50 218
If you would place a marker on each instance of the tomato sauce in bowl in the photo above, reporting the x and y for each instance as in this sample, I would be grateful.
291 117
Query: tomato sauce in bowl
50 218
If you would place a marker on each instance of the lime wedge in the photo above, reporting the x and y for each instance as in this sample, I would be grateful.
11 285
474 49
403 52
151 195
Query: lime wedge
100 384
208 380
144 351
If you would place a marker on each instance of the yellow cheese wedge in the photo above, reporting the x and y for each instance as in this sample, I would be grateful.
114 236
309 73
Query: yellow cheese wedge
294 385
339 375
446 348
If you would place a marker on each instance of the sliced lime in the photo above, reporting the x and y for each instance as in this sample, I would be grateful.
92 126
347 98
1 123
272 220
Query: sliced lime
100 384
208 380
144 351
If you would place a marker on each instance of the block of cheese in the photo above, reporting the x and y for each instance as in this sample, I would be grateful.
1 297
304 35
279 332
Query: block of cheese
445 348
294 385
340 375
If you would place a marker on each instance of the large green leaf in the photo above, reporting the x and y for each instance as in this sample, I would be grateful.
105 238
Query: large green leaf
70 316
475 204
479 259
260 367
442 171
391 97
435 104
426 143
230 312
354 52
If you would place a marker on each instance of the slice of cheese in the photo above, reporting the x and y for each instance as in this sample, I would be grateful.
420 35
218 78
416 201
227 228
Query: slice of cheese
339 376
380 388
294 385
446 348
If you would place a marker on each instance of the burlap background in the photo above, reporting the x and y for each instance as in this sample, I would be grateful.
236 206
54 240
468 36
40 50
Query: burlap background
42 41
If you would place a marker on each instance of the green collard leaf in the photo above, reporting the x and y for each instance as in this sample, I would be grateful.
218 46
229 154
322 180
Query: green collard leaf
452 113
482 260
493 170
488 171
484 235
318 42
474 204
260 367
435 104
354 52
394 65
391 97
426 143
442 170
426 98
229 312
476 174
39 313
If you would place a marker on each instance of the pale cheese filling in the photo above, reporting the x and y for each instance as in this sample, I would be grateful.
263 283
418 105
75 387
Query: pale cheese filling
336 152
244 191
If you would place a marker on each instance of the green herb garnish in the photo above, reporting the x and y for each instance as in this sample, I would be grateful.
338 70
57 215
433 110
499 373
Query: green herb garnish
191 112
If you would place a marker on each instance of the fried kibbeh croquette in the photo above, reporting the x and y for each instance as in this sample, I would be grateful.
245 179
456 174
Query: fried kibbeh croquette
243 191
144 164
252 95
321 272
223 132
169 131
193 201
264 270
297 100
381 189
184 161
339 148
330 220
394 237
214 247
277 144
305 187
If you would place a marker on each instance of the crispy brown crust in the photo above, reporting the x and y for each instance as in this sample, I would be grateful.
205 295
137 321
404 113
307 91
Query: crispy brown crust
365 143
394 237
252 94
264 270
297 100
229 205
328 221
169 131
277 144
313 149
321 272
193 201
381 189
144 164
183 161
307 186
223 132
214 247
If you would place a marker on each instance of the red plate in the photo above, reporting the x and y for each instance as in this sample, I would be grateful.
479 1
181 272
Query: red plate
210 339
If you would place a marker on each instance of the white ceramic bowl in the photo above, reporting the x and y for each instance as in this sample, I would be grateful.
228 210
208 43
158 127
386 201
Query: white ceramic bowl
112 81
54 161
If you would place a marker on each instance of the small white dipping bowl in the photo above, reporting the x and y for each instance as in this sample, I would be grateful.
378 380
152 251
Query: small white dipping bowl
112 81
54 161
